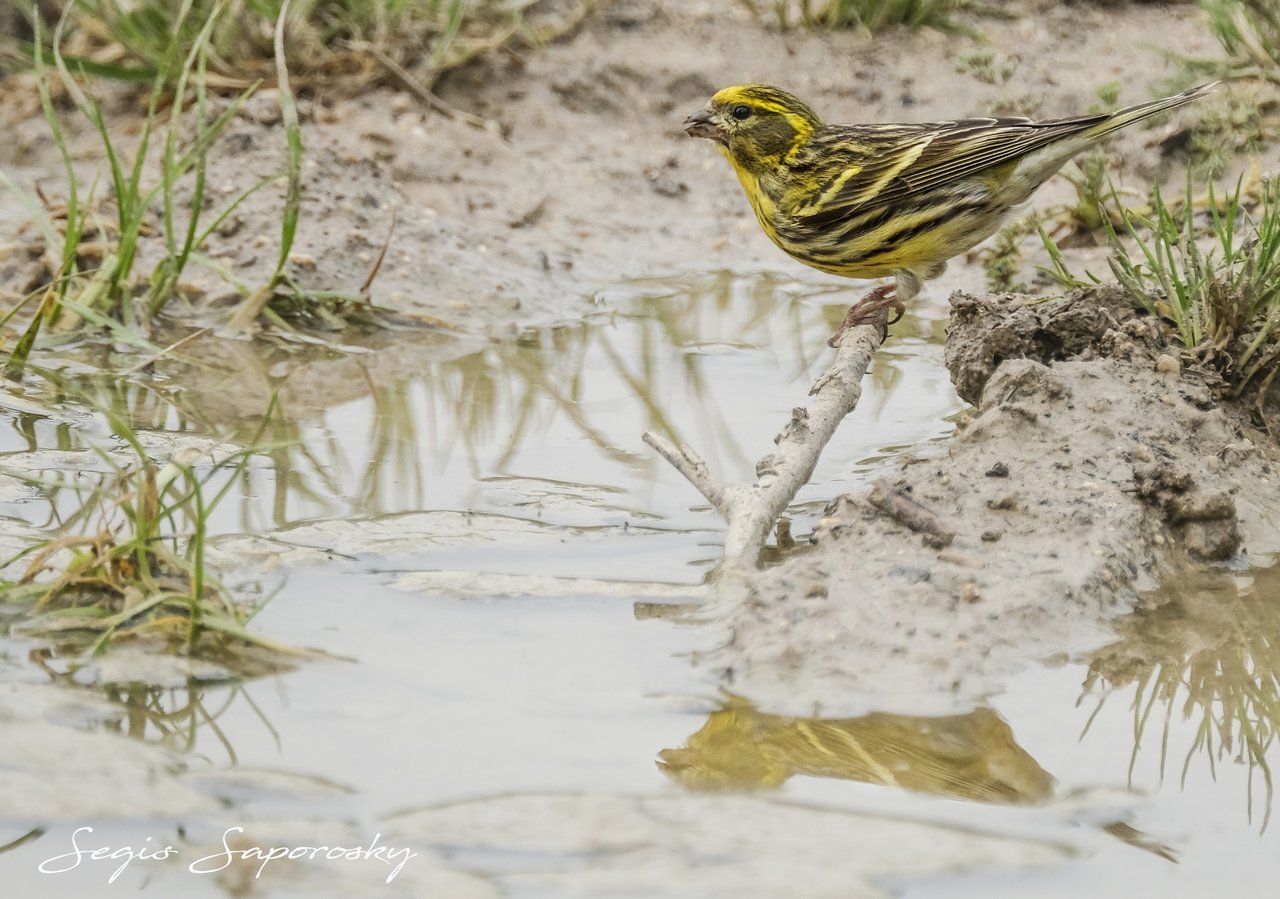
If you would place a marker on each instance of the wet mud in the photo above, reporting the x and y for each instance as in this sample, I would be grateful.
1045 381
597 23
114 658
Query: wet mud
1084 469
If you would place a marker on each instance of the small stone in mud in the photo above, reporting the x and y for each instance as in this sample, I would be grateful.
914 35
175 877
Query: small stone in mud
264 108
401 103
970 592
783 531
991 536
225 300
1198 395
1168 365
230 226
955 558
1199 506
817 590
303 261
665 185
1152 480
1213 541
911 573
999 470
1007 503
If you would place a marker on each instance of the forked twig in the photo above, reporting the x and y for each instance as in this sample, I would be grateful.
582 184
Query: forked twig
751 510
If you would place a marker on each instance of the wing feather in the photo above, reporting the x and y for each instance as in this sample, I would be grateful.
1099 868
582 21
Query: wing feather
896 162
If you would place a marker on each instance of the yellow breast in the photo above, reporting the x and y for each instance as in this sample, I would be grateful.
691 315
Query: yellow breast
765 208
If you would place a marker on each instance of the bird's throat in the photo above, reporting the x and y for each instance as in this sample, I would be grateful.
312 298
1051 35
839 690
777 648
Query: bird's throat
762 192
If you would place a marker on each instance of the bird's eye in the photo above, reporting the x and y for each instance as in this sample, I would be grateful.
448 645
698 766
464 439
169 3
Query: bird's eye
740 112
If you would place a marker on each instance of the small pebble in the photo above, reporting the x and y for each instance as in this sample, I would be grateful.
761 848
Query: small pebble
970 592
189 291
230 226
955 558
1168 365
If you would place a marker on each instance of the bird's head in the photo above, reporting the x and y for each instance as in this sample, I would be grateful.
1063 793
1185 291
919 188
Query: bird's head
756 125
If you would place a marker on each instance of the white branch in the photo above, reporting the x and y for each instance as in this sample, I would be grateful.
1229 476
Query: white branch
690 464
751 511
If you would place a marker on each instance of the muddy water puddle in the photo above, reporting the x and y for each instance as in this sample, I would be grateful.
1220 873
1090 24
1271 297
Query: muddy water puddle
477 526
542 431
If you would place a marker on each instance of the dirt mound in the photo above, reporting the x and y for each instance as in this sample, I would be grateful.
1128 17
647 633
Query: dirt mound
1087 462
986 330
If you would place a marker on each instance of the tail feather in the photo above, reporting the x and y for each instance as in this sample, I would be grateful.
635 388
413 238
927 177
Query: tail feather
1131 114
1081 133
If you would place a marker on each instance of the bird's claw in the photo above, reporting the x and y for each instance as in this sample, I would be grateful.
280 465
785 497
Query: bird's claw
871 310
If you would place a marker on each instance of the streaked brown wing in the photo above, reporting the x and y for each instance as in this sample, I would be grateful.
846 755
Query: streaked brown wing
899 162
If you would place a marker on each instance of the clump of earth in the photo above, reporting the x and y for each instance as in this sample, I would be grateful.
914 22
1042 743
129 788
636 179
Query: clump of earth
1092 460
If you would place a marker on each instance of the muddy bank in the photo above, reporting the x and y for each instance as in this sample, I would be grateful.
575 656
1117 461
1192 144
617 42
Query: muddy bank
1093 459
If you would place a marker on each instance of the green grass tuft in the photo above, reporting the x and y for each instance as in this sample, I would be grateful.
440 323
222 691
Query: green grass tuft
344 43
128 562
1002 257
1249 31
987 65
1243 117
102 288
1222 299
1233 125
870 15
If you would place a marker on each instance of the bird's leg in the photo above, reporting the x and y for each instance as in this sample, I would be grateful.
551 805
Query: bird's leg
865 310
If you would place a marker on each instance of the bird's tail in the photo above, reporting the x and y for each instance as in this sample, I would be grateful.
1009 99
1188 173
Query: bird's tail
1131 114
1064 138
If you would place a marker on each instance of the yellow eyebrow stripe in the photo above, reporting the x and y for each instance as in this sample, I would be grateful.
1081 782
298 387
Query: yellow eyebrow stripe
771 107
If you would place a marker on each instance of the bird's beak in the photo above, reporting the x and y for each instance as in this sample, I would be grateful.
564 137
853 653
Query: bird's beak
700 124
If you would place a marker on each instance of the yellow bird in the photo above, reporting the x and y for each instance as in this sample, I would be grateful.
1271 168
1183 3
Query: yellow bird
876 201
